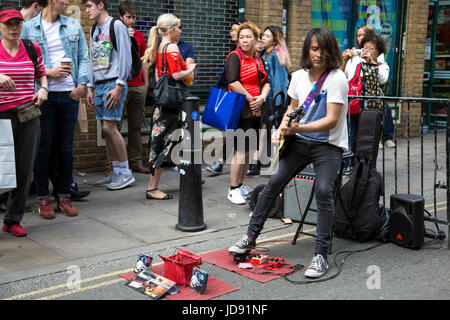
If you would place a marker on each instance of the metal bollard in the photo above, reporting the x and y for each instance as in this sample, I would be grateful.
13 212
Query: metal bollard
190 205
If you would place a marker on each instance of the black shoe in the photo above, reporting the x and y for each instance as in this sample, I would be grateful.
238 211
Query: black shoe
76 194
253 171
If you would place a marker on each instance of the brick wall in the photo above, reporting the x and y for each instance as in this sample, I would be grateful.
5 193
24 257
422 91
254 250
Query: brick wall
298 25
270 12
413 63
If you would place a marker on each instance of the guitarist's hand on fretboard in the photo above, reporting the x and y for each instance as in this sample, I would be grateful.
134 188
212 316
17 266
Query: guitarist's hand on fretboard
288 127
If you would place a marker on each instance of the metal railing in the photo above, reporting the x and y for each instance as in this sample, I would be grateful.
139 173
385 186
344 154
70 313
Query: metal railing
418 153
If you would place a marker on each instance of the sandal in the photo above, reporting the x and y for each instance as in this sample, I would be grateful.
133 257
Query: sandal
150 197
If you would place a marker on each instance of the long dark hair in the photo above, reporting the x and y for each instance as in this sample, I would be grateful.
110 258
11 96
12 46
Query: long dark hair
328 45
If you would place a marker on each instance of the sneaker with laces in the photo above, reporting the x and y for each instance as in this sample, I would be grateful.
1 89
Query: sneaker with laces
66 206
235 196
45 209
246 243
16 230
215 168
318 267
121 181
105 181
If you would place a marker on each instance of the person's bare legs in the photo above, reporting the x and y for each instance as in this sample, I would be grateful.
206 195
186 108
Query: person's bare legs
238 168
153 184
114 141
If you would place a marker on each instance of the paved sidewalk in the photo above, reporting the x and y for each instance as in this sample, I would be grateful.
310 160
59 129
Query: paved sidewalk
111 221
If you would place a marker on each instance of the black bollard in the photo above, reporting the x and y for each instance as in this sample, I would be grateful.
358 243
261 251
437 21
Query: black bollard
190 205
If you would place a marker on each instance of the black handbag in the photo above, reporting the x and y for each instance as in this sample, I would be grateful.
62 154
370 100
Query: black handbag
168 92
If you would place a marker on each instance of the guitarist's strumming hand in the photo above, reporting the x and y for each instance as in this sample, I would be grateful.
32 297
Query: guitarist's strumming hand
276 136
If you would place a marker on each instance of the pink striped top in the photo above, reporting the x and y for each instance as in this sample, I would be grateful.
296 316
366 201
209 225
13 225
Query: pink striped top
20 69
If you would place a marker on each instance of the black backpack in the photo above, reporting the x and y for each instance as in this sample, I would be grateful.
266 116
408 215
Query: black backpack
137 62
358 213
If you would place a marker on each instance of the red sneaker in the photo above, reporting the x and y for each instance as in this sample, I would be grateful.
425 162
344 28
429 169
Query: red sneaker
45 209
65 205
16 230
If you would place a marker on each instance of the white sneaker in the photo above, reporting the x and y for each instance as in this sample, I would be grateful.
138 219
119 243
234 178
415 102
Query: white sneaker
390 144
235 196
317 268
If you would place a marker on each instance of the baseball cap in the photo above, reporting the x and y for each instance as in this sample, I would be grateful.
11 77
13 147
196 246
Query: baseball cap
6 15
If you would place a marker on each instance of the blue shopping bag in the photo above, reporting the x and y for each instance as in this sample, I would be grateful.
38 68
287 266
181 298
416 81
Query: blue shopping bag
223 109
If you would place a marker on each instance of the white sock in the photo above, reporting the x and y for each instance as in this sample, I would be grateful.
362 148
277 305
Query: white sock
124 169
116 168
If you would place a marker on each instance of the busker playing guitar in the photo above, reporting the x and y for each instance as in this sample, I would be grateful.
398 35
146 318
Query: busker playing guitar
319 138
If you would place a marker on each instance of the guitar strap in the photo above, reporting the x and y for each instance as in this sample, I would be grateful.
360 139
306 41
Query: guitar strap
315 91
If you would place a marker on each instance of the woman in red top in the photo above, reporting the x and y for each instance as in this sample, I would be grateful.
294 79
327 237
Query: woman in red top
17 75
246 74
166 120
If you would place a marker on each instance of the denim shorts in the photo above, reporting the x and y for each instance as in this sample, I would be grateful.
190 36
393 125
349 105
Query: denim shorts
100 101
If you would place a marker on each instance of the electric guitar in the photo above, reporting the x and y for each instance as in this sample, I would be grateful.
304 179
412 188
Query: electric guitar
296 116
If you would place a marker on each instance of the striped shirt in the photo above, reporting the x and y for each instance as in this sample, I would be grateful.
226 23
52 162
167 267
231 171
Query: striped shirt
20 69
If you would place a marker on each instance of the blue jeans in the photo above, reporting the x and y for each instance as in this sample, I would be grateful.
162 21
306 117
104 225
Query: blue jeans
326 160
58 121
102 112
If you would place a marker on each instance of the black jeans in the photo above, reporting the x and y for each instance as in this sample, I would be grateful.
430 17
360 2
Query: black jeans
326 159
26 140
58 121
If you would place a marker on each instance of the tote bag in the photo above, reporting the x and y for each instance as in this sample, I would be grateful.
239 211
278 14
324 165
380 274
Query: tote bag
223 109
7 159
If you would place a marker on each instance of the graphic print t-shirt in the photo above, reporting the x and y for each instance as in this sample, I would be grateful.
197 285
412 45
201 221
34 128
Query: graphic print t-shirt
334 90
101 51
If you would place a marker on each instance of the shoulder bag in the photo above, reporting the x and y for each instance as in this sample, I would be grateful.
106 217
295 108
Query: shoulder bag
29 110
168 92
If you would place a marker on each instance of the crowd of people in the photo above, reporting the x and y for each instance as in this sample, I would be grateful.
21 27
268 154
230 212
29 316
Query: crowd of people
258 66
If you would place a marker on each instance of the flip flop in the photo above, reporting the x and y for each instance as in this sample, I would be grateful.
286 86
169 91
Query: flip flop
150 197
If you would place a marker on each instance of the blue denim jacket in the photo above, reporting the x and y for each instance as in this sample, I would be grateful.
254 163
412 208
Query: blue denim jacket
278 77
73 41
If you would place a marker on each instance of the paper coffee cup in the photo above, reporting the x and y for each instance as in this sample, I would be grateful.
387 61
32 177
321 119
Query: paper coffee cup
66 62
